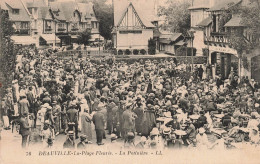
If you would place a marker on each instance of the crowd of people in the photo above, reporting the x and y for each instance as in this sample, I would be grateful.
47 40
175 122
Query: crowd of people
162 101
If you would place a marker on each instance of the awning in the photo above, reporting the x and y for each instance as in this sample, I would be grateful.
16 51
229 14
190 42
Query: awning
74 36
180 43
205 22
175 36
165 41
235 21
50 38
97 37
25 40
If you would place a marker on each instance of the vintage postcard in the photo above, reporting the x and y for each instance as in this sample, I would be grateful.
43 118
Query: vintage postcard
129 81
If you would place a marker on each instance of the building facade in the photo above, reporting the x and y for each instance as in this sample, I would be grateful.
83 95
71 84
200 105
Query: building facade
211 35
50 22
21 19
134 23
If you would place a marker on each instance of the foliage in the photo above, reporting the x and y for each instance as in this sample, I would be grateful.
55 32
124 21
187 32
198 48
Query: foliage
7 56
181 51
84 37
185 51
250 20
143 52
127 52
135 52
120 52
104 13
151 46
177 16
245 63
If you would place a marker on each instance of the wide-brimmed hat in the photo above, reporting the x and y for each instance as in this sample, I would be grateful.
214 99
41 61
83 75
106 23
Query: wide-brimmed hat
113 136
70 133
83 137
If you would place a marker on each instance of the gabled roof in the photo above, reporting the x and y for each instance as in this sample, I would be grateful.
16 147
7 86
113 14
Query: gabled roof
68 9
168 37
235 21
44 13
86 10
14 4
175 36
198 7
141 14
57 11
225 5
36 4
10 5
205 22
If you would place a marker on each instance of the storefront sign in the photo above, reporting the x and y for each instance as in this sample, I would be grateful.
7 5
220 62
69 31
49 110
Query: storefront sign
223 50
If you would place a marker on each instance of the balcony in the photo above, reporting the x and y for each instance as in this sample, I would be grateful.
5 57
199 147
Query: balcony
22 31
61 29
215 37
74 29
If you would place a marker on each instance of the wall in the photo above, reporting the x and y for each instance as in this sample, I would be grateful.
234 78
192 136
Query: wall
198 42
197 16
134 41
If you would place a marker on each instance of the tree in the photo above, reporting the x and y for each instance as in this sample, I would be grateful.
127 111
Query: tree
104 13
84 37
151 47
250 23
177 16
7 55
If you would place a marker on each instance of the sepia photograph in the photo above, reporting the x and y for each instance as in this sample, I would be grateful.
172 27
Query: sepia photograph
129 81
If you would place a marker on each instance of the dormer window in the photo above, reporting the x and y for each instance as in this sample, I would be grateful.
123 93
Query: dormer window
16 11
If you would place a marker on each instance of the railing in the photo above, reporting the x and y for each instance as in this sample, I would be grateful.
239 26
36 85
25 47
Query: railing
94 53
217 38
62 29
22 31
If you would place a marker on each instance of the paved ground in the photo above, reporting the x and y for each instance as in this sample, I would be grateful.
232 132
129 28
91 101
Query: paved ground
10 139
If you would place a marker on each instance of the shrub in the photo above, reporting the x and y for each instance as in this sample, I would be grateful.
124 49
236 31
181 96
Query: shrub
143 52
114 51
127 52
151 47
120 52
135 52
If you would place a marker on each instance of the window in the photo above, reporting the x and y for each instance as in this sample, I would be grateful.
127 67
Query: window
24 25
15 11
48 25
61 25
30 10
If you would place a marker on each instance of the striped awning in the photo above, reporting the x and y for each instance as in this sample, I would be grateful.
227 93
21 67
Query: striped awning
50 38
24 40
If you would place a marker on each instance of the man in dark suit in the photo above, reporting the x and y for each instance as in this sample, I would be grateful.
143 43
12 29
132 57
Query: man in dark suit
24 129
72 117
99 122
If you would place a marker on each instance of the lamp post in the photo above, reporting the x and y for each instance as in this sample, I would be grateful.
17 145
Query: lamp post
99 44
192 37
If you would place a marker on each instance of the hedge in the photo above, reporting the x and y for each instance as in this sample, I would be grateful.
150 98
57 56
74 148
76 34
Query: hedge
135 52
143 52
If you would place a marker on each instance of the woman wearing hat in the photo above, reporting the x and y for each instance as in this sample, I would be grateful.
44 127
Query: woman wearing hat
86 119
201 139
